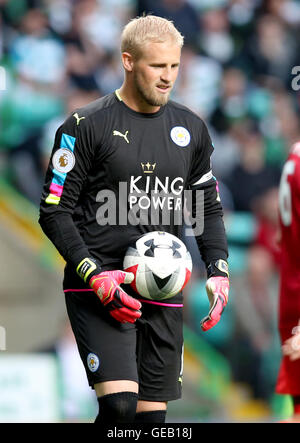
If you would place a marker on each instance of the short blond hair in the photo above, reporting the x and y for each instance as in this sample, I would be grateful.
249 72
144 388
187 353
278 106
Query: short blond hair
141 30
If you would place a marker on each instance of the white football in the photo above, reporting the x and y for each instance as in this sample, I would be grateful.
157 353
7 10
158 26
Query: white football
161 264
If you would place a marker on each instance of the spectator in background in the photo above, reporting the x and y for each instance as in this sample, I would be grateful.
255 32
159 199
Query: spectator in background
264 259
38 61
37 56
109 75
98 28
13 11
274 109
287 11
285 115
215 39
232 107
90 39
83 56
241 14
81 67
265 210
271 51
198 82
251 177
181 12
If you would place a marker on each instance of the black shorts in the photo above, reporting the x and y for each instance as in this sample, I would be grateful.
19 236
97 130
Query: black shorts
149 352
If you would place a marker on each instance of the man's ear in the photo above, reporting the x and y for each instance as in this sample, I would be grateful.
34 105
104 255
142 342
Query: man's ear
128 61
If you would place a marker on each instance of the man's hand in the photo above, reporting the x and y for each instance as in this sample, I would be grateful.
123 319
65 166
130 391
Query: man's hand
291 347
217 289
121 306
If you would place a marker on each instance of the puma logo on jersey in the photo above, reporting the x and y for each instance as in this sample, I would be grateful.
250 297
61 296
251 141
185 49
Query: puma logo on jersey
121 135
78 118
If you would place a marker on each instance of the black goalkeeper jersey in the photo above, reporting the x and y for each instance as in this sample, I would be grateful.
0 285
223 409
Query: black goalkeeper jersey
115 174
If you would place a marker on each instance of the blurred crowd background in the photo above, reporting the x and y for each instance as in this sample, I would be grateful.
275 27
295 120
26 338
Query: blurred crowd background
236 73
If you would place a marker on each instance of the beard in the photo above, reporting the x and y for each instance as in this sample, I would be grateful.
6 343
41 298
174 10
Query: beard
150 96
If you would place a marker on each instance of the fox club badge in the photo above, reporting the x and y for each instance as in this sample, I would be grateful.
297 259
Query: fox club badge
63 160
180 136
93 362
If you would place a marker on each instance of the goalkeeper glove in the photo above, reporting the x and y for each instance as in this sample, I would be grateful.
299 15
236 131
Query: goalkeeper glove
217 288
122 307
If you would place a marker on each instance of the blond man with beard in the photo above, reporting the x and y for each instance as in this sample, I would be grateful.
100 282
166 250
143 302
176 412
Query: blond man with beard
131 347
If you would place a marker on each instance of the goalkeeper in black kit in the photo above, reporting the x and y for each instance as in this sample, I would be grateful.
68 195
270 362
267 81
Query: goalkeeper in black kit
119 148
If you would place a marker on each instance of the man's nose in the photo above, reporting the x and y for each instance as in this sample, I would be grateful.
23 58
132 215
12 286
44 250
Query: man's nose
166 75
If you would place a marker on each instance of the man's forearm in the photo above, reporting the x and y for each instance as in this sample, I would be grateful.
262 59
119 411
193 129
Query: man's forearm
59 227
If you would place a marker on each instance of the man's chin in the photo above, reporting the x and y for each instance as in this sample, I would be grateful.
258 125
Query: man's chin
154 98
159 100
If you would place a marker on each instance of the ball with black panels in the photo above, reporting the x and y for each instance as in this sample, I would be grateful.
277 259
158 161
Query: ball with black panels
161 265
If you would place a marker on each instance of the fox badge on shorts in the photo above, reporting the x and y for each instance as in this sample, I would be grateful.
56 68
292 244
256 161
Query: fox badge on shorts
93 362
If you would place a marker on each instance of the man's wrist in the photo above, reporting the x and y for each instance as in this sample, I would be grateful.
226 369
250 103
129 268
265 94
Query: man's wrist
218 268
87 268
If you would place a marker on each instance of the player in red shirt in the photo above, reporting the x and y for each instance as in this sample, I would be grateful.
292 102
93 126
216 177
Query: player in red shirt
288 381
